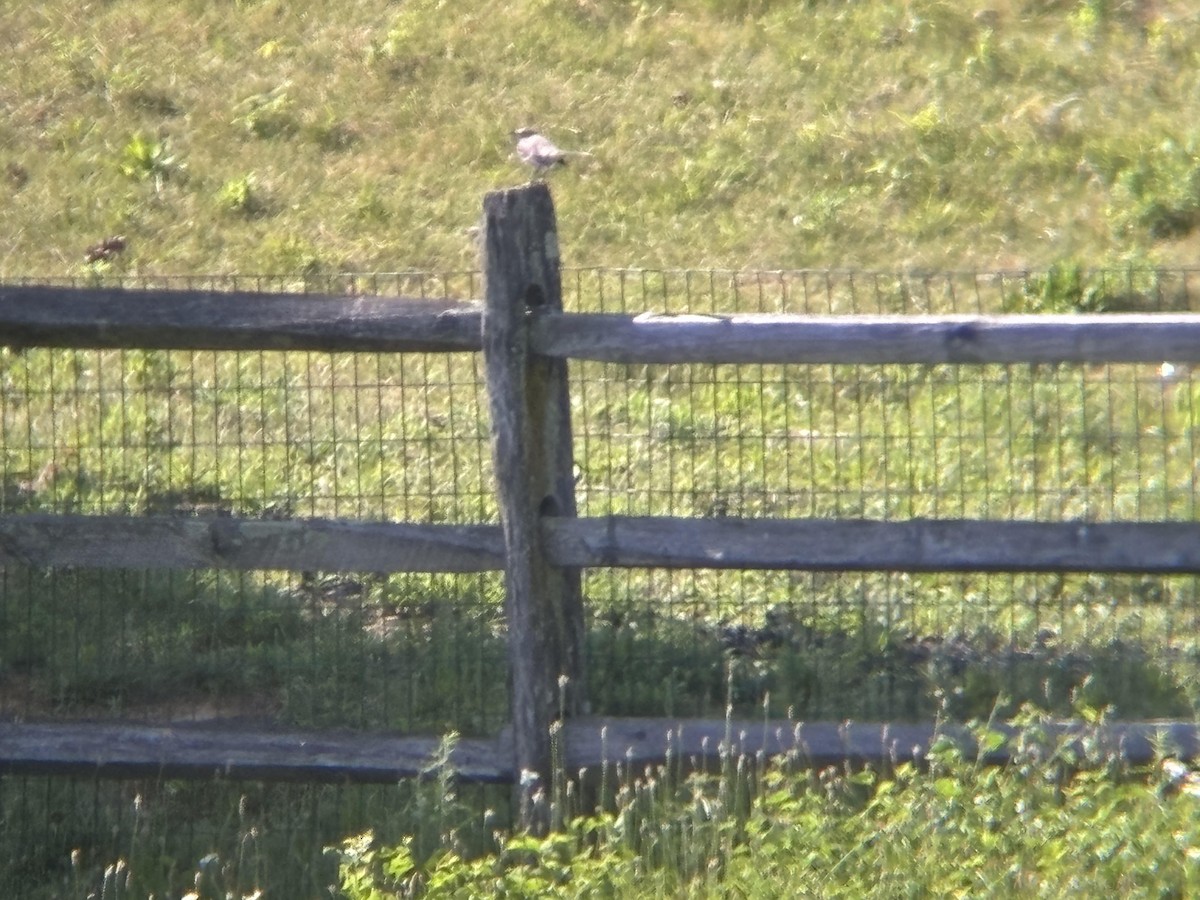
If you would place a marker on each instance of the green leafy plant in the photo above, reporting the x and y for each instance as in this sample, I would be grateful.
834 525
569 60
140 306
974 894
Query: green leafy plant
1158 193
1060 816
268 115
1062 288
146 159
242 195
890 136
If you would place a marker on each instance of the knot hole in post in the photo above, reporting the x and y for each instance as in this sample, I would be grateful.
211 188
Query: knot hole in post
535 298
548 508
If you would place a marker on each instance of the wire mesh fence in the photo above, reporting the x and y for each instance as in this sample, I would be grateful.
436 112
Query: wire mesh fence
405 438
249 433
299 434
854 292
78 837
270 434
1034 442
275 435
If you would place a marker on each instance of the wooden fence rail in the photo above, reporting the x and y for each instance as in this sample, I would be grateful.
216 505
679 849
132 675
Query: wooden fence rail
541 544
330 545
91 318
130 750
870 340
95 318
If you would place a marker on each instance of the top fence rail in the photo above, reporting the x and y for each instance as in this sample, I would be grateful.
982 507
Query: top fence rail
158 318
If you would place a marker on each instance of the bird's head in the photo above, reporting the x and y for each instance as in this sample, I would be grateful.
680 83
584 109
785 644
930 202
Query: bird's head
522 133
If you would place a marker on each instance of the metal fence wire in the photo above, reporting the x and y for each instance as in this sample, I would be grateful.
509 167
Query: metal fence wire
405 438
1034 442
178 433
268 434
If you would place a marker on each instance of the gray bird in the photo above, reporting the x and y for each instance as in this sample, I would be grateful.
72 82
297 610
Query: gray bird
539 152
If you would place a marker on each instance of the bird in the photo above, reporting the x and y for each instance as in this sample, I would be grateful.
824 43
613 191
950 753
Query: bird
539 152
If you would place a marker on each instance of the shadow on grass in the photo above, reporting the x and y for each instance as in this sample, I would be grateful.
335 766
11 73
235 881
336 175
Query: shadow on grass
417 653
80 837
870 675
426 654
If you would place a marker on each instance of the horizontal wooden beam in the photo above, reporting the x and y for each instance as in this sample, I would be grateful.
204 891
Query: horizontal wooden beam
124 750
913 545
47 316
701 743
42 316
767 338
180 542
226 750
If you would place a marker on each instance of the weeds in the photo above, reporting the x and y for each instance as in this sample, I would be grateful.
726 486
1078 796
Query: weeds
267 115
1058 817
146 159
242 195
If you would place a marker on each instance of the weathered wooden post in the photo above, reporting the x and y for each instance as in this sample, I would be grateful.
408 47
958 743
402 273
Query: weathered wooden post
531 448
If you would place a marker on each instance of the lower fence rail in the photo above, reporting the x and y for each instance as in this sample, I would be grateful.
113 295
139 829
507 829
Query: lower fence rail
587 745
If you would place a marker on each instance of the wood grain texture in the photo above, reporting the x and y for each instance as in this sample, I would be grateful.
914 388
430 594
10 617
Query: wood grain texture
40 316
126 750
176 542
530 422
171 542
207 750
767 338
917 545
703 743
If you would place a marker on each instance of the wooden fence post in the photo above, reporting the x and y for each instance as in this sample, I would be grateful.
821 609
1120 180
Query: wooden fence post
531 446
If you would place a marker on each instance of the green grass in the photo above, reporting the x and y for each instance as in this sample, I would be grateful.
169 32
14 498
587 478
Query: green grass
313 434
1039 826
1056 819
80 838
252 137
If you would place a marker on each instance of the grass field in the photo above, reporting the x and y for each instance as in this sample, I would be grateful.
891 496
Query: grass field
729 139
249 137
